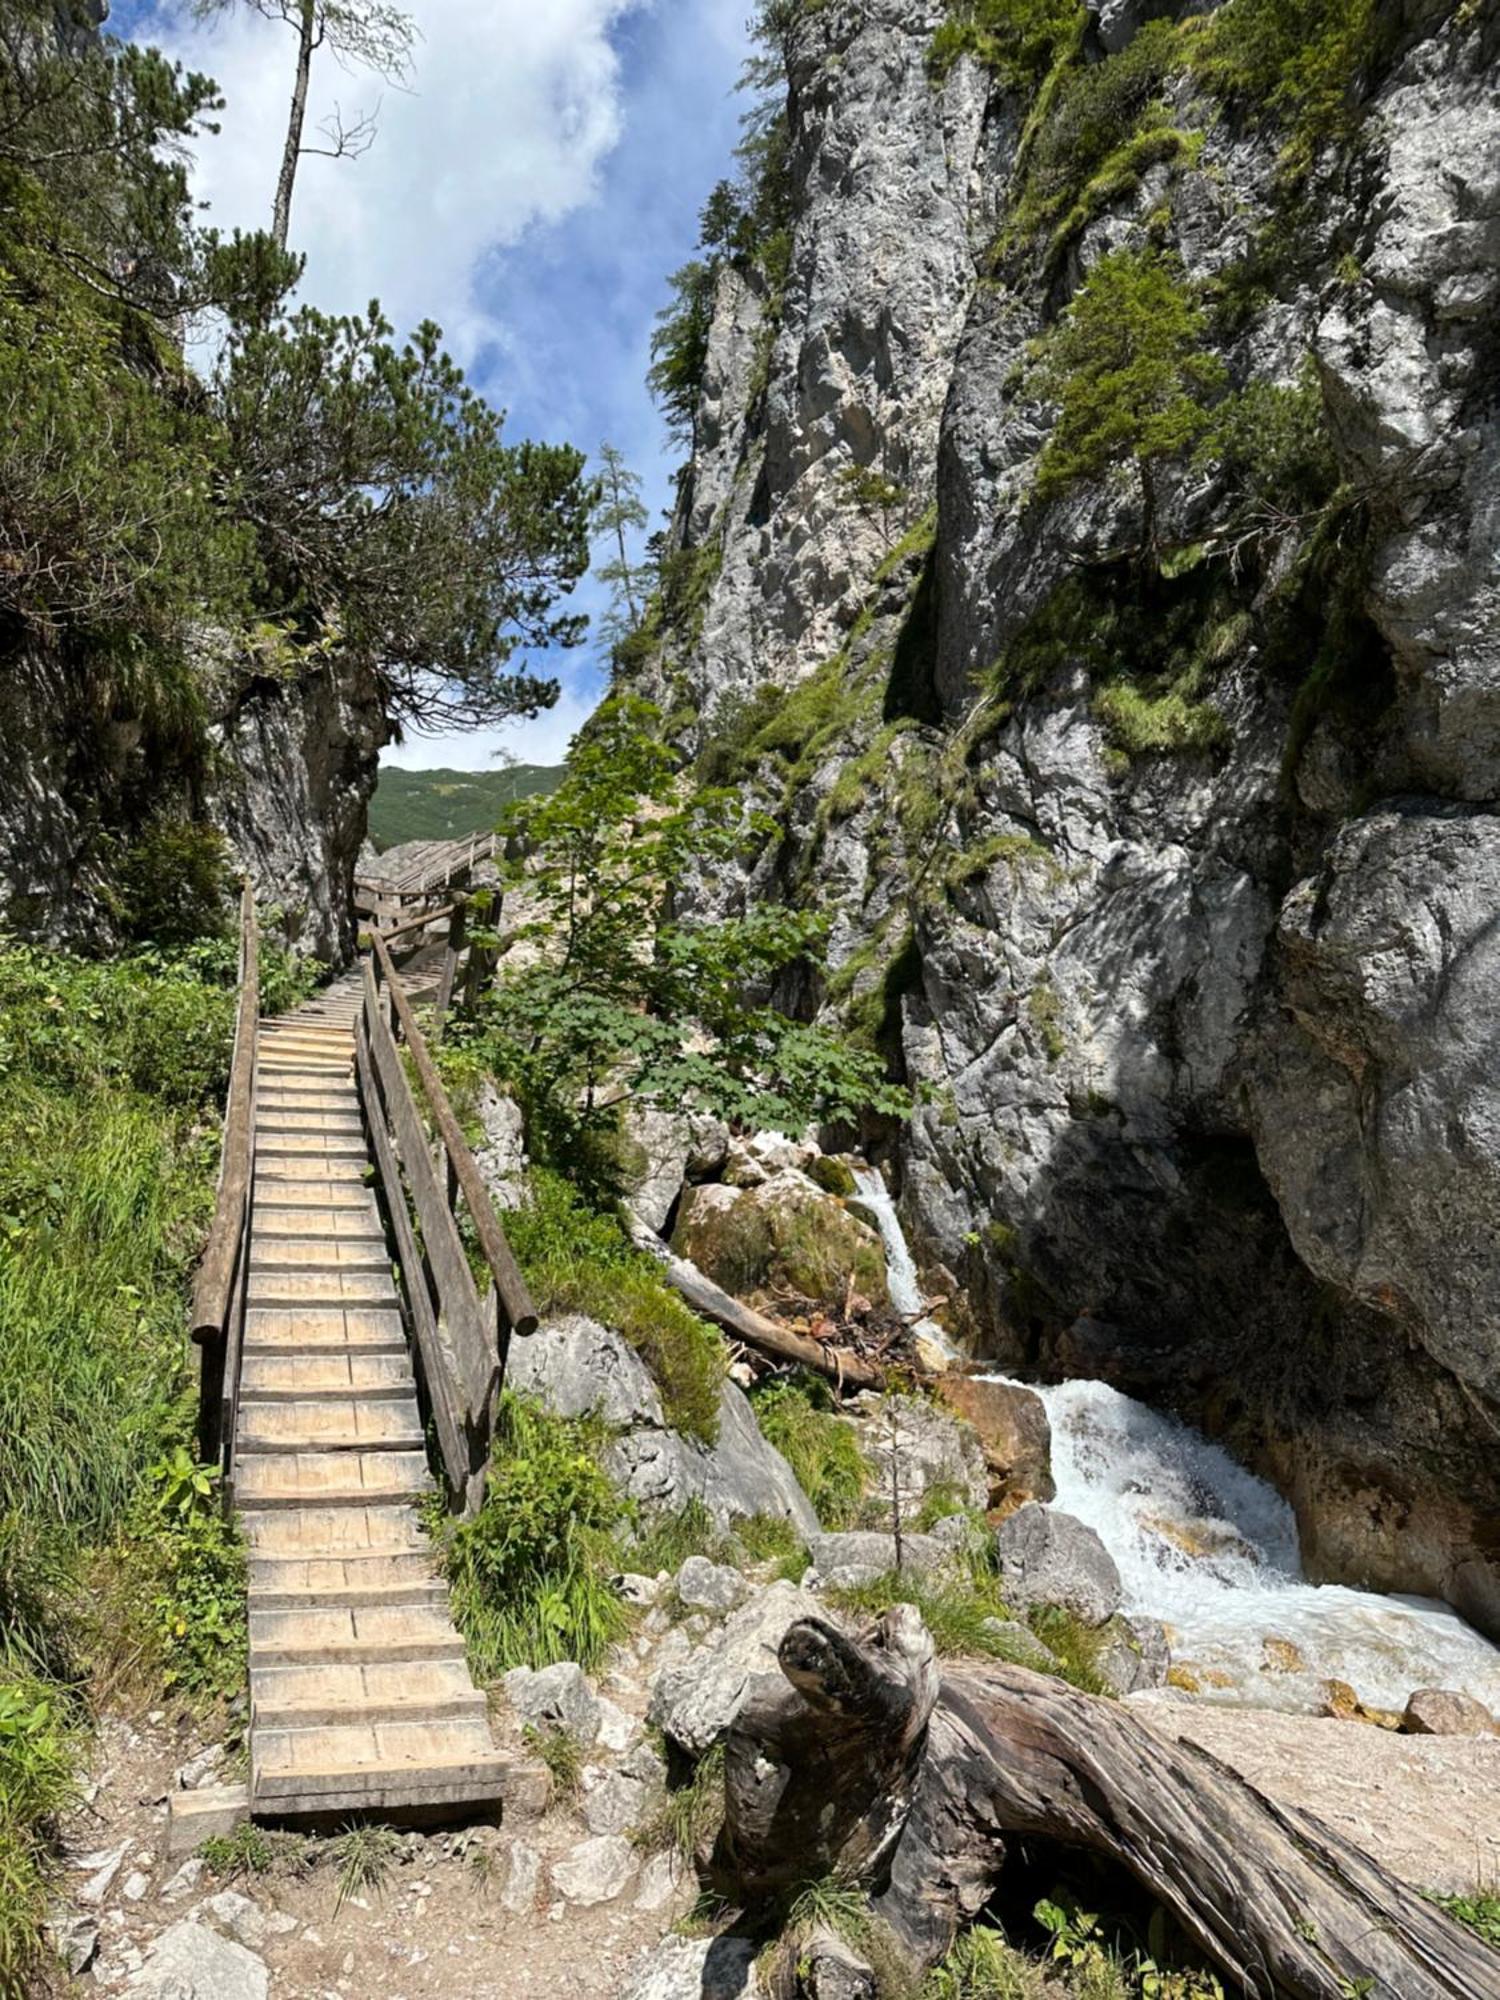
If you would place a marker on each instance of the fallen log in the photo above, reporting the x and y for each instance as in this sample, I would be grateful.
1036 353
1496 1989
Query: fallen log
926 1796
767 1336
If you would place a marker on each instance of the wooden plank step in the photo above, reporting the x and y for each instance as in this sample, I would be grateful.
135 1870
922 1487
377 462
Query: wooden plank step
316 1254
291 1291
276 1197
276 1118
326 1479
319 1532
300 1168
345 1223
419 1691
333 1329
289 1582
332 1423
378 1768
276 1377
313 1145
345 1635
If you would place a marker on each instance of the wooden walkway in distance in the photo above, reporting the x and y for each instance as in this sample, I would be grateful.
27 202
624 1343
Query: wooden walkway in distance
361 1699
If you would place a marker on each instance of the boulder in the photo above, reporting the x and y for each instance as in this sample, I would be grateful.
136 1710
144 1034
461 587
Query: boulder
189 1961
931 1449
845 1561
696 1968
501 1159
783 1235
1445 1712
245 1920
750 1163
1010 1421
741 1475
75 1939
1047 1557
668 1150
596 1871
575 1367
556 1697
661 1878
1135 1655
706 1586
694 1703
613 1802
1020 1645
829 1969
523 1878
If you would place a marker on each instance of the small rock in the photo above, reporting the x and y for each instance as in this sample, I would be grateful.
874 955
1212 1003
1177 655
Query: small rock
106 1867
523 1878
643 1762
75 1939
617 1730
707 1586
1021 1645
1445 1712
1048 1557
833 1971
237 1915
613 1803
596 1871
695 1702
185 1881
198 1770
846 1561
557 1697
679 1968
660 1879
1343 1703
1280 1656
134 1887
192 1962
1135 1655
642 1590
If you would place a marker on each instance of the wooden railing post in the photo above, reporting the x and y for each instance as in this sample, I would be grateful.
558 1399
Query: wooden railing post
218 1287
452 952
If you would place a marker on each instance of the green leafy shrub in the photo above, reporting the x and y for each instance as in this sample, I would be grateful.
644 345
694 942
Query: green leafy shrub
174 880
199 1607
796 1414
1479 1912
530 1572
36 1783
578 1259
689 1813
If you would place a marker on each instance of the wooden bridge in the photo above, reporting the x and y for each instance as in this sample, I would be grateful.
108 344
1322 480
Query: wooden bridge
337 1315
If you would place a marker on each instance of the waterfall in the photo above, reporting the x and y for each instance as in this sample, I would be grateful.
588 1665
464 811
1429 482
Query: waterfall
900 1270
1211 1550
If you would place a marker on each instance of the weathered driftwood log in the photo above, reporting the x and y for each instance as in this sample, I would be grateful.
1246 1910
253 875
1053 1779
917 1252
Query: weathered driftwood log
767 1336
1286 1907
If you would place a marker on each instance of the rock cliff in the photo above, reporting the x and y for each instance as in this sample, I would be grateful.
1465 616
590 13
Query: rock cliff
1152 809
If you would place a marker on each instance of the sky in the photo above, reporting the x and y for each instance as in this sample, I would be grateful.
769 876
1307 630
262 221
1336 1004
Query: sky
531 192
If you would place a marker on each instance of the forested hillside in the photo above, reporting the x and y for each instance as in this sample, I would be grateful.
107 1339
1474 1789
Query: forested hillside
444 805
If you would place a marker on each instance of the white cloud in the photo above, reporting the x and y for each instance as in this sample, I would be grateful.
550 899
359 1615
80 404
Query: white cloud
543 741
514 105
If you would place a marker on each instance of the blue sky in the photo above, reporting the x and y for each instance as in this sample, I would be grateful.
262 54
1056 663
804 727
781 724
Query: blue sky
532 192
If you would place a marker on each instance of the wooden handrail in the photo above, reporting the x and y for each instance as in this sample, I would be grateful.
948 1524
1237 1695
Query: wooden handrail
213 1288
416 923
520 1315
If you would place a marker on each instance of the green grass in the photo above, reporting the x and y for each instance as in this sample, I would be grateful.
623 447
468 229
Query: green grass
796 1414
447 805
562 1756
578 1259
530 1573
982 1966
37 1760
688 1816
364 1857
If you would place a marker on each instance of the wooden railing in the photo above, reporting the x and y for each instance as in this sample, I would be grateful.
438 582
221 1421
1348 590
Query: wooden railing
218 1291
460 1334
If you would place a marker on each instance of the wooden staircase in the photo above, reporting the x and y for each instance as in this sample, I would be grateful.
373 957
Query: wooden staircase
360 1698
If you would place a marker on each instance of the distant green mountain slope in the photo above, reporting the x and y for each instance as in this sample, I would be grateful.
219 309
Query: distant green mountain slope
445 805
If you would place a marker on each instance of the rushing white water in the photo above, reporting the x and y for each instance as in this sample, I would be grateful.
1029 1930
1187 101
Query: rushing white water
900 1271
1211 1550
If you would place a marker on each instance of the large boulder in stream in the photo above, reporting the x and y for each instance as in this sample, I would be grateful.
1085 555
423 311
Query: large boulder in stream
784 1236
1047 1557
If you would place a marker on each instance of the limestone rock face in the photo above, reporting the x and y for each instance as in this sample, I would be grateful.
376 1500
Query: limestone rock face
693 1704
1203 1081
1014 1434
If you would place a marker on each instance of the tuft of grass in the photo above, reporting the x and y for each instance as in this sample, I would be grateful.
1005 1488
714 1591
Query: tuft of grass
37 1782
258 1850
577 1259
1143 724
561 1754
665 1541
796 1414
530 1573
1076 1646
363 1856
689 1816
955 1613
982 1966
773 1539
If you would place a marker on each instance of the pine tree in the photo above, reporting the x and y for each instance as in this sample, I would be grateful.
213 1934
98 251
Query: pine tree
620 512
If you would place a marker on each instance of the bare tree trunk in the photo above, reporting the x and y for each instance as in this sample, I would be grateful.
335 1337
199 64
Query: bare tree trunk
841 1769
306 42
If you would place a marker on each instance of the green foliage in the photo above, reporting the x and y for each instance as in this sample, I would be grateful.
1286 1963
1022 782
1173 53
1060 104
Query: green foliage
174 882
1479 1912
577 1259
956 1613
690 1813
246 1851
1045 1013
796 1413
391 516
625 999
1075 1645
1141 724
530 1572
619 513
446 805
36 1783
198 1608
1128 372
562 1756
1019 40
1298 64
982 1966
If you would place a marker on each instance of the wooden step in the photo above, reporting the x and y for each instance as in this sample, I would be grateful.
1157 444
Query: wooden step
279 1119
377 1768
318 1532
312 1146
329 1423
275 1197
343 1635
277 1377
333 1329
364 1251
324 1479
295 1291
302 1169
287 1582
347 1225
326 1696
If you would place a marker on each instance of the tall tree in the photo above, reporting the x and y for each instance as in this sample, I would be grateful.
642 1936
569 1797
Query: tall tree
363 34
620 512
